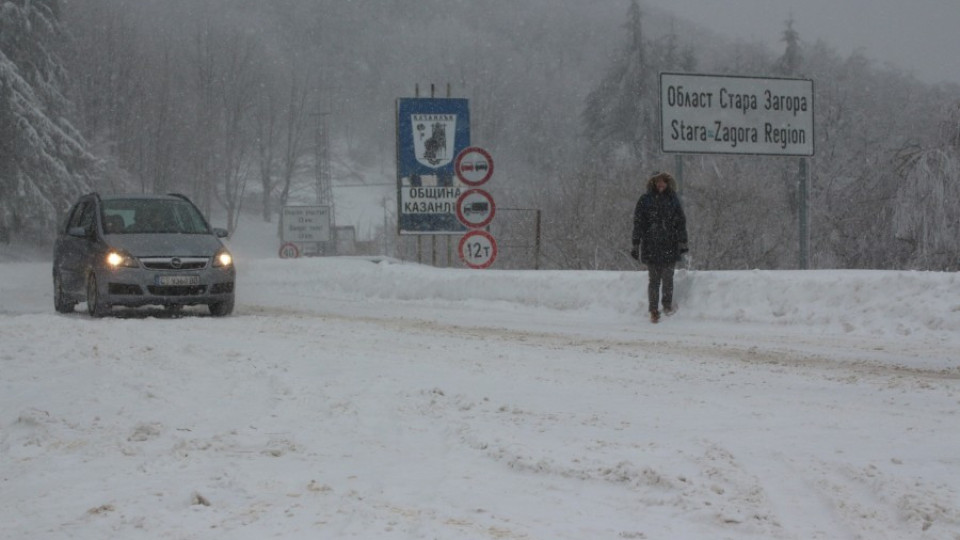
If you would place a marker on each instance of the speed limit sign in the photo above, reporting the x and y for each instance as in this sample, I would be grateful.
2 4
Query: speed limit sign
478 249
289 250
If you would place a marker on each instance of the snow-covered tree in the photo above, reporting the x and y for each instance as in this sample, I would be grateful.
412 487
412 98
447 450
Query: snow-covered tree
619 113
44 163
926 215
789 64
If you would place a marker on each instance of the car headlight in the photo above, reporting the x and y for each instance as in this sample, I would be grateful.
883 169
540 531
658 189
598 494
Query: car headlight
118 258
222 259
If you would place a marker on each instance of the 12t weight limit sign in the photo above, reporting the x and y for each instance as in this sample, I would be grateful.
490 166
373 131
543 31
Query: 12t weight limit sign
478 249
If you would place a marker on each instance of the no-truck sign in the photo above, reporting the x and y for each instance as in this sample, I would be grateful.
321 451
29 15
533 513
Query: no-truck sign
473 166
475 208
478 249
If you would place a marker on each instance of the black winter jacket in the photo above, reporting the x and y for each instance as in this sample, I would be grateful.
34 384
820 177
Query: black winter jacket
659 226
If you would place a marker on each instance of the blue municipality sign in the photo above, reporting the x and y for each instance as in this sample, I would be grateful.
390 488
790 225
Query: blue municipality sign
430 134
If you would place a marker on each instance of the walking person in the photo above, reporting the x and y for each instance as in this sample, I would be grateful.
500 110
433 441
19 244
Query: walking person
659 239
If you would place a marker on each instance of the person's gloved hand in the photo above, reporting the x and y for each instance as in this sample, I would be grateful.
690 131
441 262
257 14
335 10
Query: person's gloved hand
683 248
635 252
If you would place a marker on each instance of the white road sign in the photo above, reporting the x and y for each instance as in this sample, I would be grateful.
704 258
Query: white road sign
304 224
713 114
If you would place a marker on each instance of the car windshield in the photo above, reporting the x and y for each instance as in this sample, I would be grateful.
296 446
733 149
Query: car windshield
142 216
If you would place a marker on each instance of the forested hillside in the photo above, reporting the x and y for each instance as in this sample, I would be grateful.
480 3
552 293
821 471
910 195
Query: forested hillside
225 99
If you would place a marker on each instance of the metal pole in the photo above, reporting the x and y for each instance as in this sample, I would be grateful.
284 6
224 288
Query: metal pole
804 226
678 159
536 260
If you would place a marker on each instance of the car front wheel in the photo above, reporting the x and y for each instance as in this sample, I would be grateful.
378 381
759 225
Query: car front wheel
95 306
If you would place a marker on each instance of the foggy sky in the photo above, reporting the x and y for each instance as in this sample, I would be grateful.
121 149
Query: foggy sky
918 36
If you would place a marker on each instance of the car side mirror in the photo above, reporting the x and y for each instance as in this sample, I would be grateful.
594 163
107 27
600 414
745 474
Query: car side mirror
79 232
220 232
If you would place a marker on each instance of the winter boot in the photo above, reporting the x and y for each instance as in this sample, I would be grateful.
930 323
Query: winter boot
654 316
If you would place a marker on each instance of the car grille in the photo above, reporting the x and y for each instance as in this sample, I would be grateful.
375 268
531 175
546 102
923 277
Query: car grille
174 263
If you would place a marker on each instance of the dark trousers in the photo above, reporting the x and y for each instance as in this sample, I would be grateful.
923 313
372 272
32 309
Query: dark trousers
660 274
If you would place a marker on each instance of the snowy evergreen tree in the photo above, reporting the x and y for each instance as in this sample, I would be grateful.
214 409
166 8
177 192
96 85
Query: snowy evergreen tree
43 160
619 113
789 63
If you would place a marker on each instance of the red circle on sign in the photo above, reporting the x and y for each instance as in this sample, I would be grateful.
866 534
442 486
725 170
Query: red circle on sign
289 251
476 208
473 166
477 255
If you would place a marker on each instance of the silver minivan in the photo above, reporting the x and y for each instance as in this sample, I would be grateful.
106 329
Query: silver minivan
139 250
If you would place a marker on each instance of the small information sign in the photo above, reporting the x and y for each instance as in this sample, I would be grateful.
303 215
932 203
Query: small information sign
305 224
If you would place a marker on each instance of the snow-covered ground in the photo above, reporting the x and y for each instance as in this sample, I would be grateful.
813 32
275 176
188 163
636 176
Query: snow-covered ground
352 398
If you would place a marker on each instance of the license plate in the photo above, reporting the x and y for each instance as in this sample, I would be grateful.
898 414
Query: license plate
177 281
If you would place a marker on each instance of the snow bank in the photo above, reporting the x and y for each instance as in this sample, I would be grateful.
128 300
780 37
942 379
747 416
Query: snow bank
861 301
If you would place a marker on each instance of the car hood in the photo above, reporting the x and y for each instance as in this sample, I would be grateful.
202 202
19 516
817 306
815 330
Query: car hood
165 245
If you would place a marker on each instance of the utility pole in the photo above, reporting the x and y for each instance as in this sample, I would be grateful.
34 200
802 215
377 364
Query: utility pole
322 160
804 218
323 173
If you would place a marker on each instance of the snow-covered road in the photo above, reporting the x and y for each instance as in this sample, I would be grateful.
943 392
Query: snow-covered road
351 399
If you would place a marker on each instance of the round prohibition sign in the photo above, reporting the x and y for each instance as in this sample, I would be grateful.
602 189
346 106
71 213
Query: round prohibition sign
475 208
478 249
473 166
289 250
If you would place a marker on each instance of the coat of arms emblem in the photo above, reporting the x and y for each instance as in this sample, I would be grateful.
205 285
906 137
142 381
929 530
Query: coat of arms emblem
433 138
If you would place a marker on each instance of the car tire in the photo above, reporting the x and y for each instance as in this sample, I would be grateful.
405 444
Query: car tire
221 309
95 307
60 301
